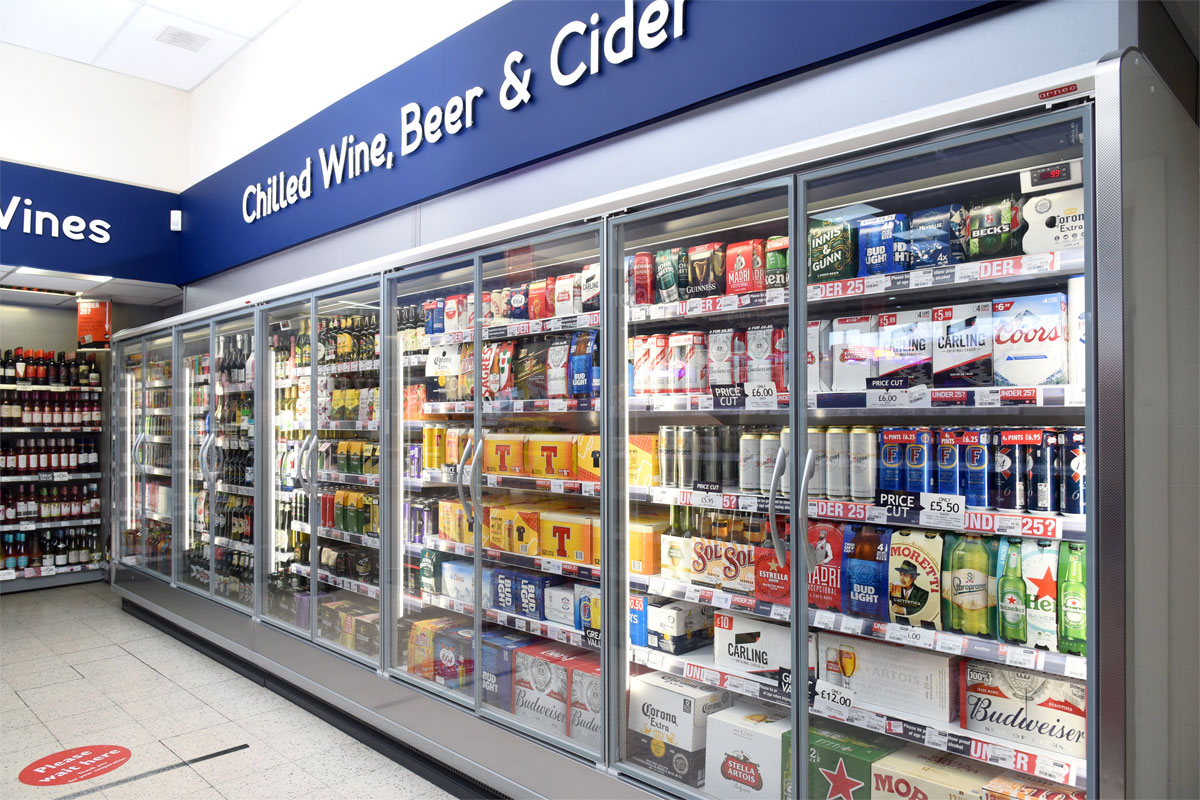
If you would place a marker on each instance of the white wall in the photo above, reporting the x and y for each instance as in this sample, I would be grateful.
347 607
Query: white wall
316 54
74 117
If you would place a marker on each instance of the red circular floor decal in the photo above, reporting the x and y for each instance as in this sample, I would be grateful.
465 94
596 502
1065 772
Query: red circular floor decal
74 765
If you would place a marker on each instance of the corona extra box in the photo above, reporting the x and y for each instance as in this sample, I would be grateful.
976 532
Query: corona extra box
550 455
540 689
587 458
749 750
1035 709
496 672
643 460
840 760
891 677
515 529
668 723
587 700
504 454
917 772
566 536
751 645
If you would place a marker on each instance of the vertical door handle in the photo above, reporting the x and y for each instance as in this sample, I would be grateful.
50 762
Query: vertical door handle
776 474
810 552
458 482
476 480
137 453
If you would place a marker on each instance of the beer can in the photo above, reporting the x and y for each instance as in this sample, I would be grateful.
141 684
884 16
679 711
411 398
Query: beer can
951 477
666 263
643 279
710 454
768 454
975 453
642 380
433 438
785 442
780 358
1010 465
837 463
777 267
689 362
919 472
676 366
687 456
891 460
816 443
659 366
666 456
730 437
863 463
1072 464
414 461
749 462
1041 486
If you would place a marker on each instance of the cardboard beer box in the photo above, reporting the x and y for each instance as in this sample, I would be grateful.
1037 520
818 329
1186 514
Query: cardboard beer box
597 542
825 555
749 752
891 677
1056 221
1039 567
515 529
853 342
668 723
906 347
1035 709
366 634
1030 340
678 627
506 588
458 580
587 700
431 569
1010 786
937 236
550 455
645 546
442 369
586 607
676 558
737 568
587 457
706 561
840 760
915 579
559 604
993 228
706 270
558 352
747 267
421 650
865 556
962 345
882 248
566 536
529 369
772 580
498 654
504 454
643 459
831 250
751 645
917 772
540 690
820 359
531 593
453 665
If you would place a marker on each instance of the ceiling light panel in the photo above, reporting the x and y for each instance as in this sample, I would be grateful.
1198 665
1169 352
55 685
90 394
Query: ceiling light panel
67 28
236 16
137 51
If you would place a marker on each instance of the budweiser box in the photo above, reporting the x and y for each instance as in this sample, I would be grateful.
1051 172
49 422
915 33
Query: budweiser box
916 772
540 690
906 346
668 722
820 360
751 645
840 760
1030 340
890 676
498 653
749 750
962 345
853 342
1027 708
1010 786
587 700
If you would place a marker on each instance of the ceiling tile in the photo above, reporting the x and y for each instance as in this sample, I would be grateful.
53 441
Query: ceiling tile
236 16
66 28
59 282
135 290
40 299
136 51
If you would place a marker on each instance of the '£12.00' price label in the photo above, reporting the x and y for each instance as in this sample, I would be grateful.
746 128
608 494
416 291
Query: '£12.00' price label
829 699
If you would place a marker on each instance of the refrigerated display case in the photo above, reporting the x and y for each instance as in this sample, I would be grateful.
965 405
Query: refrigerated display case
195 570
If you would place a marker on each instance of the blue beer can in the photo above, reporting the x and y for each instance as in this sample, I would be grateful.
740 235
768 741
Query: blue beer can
1072 465
952 478
891 460
1010 465
920 475
975 452
1041 485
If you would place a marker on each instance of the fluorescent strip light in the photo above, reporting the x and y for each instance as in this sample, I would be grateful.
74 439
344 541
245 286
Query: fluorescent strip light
856 211
67 275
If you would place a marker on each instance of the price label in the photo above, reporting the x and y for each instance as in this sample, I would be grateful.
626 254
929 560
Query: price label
722 599
1042 262
1021 657
850 625
877 515
1007 525
662 495
552 565
704 403
727 302
760 396
1075 667
655 659
654 586
8 574
517 623
662 403
706 500
736 684
48 571
589 489
658 311
965 273
867 719
60 476
886 399
556 486
1052 770
813 293
986 398
558 404
636 314
936 739
1001 756
695 305
747 502
781 612
492 480
921 278
875 284
776 297
692 594
830 698
950 643
26 526
824 619
945 511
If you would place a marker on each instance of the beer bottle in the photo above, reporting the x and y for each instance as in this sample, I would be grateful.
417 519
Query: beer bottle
969 585
1011 592
1072 602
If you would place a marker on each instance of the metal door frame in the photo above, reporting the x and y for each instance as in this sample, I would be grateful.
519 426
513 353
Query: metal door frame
182 499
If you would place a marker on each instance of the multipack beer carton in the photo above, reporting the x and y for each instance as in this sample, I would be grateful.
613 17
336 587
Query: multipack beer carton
772 580
706 561
853 342
737 568
915 579
504 454
559 604
747 267
881 246
515 529
993 228
1030 340
1028 708
1056 221
668 724
891 677
587 606
645 546
1039 567
453 665
566 536
751 645
498 654
906 346
962 345
421 652
678 627
706 270
458 580
918 771
749 752
540 686
825 555
550 455
676 558
643 459
531 593
587 700
820 359
865 556
937 236
832 247
1011 786
587 457
840 760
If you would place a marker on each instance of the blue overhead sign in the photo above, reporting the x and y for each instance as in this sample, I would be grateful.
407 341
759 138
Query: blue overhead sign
532 79
60 221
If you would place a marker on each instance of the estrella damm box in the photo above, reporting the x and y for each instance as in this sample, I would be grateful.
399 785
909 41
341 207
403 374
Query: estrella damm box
504 454
550 455
587 458
566 536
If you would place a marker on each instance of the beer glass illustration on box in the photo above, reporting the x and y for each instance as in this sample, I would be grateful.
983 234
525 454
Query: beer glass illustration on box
847 661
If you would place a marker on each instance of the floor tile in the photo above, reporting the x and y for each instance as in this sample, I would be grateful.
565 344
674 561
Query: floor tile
27 736
175 702
181 782
193 719
17 717
63 699
345 763
284 782
22 648
88 722
38 672
93 654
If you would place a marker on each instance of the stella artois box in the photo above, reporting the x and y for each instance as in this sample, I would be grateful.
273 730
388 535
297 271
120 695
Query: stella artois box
504 454
906 347
853 342
587 458
918 773
1010 786
550 455
840 760
587 700
891 677
962 345
825 554
540 686
1030 344
668 724
749 748
643 460
567 537
750 644
820 360
915 579
1034 709
772 580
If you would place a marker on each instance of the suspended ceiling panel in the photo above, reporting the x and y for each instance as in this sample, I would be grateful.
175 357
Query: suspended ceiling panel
64 288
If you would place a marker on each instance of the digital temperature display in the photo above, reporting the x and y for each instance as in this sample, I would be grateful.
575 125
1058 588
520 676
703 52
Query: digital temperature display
1054 174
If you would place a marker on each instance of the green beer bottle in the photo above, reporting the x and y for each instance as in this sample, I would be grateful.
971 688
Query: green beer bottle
1072 602
1011 592
969 563
676 526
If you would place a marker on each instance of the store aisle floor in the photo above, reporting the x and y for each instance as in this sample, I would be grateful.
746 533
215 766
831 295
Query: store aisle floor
77 671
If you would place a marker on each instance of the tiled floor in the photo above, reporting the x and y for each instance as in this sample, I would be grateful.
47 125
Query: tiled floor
76 671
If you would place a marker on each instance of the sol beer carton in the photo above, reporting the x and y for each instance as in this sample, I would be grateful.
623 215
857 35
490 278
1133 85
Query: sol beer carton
668 723
737 568
853 342
540 686
550 455
891 677
749 753
917 772
962 345
1034 709
566 536
906 347
504 454
706 561
751 645
840 760
643 460
1030 340
1010 786
587 700
825 554
587 458
820 359
498 654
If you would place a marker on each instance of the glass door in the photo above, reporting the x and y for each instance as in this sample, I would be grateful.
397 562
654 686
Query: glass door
536 486
288 599
346 451
155 454
703 431
430 539
127 441
947 535
196 407
232 459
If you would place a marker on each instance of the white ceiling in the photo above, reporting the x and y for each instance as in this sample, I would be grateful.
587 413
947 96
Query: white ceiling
122 35
64 288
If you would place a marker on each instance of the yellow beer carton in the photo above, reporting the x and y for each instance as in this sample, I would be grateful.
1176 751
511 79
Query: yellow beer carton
504 454
516 529
645 541
566 536
643 460
587 458
550 455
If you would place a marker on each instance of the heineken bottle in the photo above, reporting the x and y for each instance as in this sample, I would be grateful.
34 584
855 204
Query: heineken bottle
1011 592
969 569
1072 599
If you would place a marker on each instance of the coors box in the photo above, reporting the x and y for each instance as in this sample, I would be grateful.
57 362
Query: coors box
1026 708
1030 340
749 750
668 722
917 772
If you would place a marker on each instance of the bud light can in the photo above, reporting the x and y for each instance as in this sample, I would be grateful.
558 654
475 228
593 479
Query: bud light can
975 469
891 460
1072 465
952 478
919 472
1041 486
1010 465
